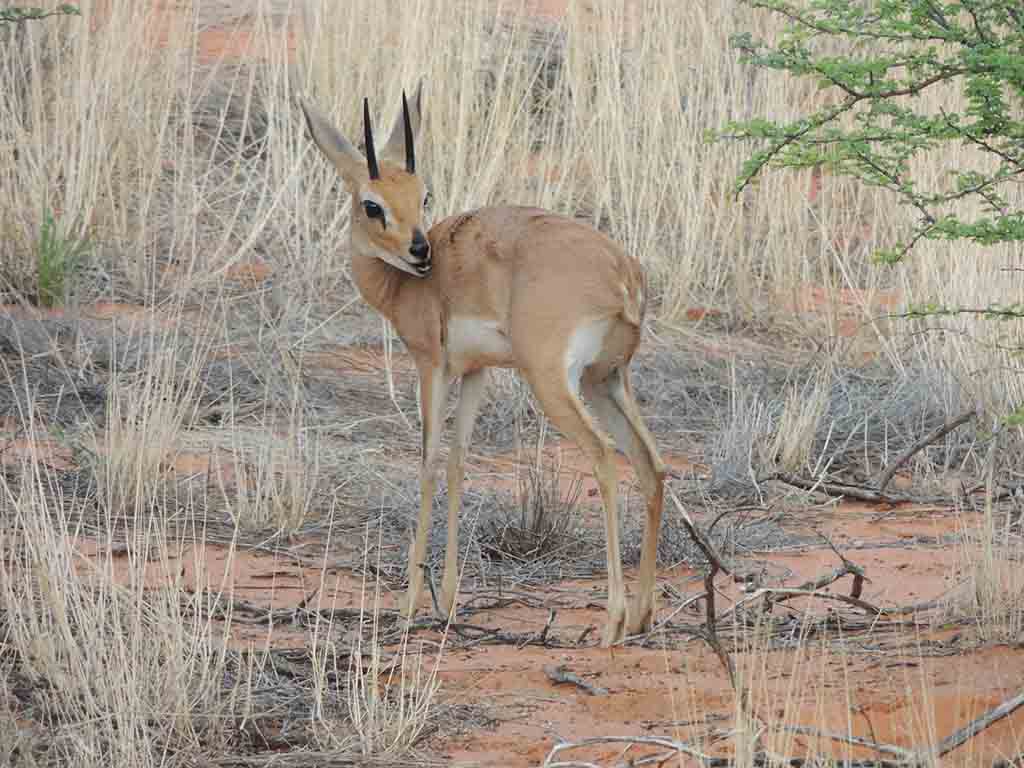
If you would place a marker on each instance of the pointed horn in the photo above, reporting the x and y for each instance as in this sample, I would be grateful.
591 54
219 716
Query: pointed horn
371 155
410 150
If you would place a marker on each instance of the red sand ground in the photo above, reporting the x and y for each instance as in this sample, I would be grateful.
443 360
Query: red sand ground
907 689
902 696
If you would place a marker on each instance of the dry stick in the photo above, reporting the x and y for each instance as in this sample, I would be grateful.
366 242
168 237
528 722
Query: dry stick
676 748
429 573
858 573
936 434
878 495
665 622
857 492
560 674
716 565
540 637
702 543
829 578
907 755
972 729
652 741
787 593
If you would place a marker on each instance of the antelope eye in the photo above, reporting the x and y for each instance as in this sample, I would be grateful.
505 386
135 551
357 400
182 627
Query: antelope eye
427 200
373 210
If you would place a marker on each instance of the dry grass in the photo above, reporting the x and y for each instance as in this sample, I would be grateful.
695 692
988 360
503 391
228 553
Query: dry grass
182 170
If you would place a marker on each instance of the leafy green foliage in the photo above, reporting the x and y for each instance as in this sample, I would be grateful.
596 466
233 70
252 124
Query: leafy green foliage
58 259
21 14
874 128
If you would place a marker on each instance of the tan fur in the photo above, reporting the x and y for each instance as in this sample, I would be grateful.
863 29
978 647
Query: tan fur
510 287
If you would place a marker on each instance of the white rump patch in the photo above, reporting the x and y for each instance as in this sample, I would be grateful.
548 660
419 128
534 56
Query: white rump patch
584 349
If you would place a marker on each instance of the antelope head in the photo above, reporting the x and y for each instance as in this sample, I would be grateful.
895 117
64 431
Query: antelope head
388 198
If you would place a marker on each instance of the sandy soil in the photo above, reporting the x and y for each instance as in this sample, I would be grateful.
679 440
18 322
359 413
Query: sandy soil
907 687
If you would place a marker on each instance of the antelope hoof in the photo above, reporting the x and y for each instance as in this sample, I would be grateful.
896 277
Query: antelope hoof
446 602
408 604
615 629
641 617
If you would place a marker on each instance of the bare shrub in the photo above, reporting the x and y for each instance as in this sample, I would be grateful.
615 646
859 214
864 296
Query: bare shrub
542 524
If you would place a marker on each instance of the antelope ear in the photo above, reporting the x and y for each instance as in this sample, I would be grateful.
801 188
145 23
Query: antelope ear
336 148
395 149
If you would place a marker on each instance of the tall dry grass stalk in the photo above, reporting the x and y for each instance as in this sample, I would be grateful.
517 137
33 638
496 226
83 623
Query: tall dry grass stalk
113 657
993 592
147 412
603 114
389 697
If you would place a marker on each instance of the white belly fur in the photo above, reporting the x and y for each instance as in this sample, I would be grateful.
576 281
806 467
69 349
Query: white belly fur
473 343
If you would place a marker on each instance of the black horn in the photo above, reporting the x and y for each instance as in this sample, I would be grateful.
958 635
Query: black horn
410 151
371 155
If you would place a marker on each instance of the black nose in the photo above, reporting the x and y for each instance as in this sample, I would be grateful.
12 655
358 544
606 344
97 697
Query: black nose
420 248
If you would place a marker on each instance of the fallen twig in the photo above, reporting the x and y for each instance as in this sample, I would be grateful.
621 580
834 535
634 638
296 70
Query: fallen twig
675 748
561 675
699 539
877 494
907 755
825 580
429 574
542 636
907 758
665 622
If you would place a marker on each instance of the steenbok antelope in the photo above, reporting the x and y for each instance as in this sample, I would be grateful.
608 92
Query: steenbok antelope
507 287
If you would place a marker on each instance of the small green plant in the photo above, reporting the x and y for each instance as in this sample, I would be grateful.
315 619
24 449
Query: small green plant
58 259
20 14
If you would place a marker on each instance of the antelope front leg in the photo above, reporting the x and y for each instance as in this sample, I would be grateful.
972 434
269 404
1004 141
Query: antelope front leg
471 392
433 390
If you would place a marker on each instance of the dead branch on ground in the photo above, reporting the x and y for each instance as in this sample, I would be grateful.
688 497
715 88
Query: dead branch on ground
932 437
905 755
907 758
876 493
843 490
960 736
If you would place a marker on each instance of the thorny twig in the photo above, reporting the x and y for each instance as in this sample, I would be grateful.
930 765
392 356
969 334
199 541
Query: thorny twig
715 564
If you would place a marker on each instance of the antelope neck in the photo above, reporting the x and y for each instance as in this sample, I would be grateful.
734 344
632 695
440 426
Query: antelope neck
378 282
